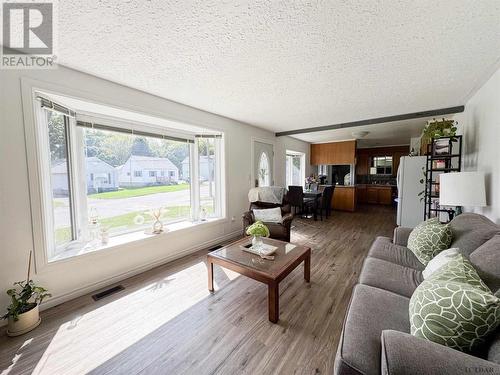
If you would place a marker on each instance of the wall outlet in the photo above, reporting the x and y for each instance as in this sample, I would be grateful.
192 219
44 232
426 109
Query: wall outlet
233 219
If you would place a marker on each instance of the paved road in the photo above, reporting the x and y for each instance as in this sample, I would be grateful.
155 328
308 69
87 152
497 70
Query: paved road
115 207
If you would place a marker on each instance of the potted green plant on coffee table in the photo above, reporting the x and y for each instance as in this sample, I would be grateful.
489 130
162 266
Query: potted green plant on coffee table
257 230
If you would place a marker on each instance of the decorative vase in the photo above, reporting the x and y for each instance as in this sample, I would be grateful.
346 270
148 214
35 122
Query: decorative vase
26 322
257 243
157 227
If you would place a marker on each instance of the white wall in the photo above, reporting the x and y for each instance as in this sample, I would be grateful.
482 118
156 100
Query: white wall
480 126
79 275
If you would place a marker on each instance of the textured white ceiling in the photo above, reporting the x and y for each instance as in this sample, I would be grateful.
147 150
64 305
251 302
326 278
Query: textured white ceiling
284 65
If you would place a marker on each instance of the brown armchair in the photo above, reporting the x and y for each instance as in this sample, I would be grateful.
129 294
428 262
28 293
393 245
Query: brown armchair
278 231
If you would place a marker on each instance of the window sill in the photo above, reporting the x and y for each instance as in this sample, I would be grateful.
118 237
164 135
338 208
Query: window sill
127 238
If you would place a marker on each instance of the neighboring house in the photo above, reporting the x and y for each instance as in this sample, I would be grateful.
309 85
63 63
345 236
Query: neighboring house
206 168
147 170
100 176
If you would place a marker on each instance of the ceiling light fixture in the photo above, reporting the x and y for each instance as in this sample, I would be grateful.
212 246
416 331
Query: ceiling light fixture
360 134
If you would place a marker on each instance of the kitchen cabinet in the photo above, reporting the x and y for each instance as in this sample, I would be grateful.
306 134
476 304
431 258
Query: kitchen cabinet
362 164
344 198
384 196
334 153
372 195
379 195
395 161
364 157
361 193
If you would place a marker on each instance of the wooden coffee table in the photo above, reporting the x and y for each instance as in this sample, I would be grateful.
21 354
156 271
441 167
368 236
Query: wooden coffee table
286 258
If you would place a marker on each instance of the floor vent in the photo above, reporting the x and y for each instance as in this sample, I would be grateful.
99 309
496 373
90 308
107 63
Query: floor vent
107 292
214 248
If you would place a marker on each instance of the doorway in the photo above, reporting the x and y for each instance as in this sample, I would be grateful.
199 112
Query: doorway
263 163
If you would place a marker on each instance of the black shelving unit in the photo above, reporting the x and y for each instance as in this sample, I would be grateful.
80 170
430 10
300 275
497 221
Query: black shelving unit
447 151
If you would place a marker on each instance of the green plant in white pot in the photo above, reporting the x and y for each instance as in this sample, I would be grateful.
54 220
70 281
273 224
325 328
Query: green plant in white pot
439 128
23 313
257 230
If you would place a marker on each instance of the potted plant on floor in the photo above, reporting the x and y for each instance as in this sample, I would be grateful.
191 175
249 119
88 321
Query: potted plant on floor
23 313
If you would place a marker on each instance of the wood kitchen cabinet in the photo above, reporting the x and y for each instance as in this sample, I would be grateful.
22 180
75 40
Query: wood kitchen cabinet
385 196
395 161
361 193
333 153
362 164
344 198
372 195
379 195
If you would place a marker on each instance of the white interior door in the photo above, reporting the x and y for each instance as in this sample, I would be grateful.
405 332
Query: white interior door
263 162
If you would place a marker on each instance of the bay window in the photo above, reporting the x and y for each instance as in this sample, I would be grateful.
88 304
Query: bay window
103 179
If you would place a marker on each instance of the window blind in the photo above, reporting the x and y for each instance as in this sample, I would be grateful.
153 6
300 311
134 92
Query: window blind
50 105
91 125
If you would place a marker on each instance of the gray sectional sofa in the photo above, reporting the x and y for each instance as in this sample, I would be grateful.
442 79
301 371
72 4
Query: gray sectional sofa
376 333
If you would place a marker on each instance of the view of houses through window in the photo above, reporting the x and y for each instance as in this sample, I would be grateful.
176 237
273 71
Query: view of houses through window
115 182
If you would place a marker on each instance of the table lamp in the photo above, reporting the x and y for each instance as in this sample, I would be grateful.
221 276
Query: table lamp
462 189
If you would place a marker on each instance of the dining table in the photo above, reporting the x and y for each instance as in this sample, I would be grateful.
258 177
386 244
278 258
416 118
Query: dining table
316 194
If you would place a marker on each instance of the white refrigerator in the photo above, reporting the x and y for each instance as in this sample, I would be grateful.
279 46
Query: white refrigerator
410 206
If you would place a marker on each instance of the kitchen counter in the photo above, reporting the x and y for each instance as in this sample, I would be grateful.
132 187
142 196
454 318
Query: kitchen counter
344 197
378 185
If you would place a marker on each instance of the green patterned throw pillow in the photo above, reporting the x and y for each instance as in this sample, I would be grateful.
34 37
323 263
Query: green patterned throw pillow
428 239
454 307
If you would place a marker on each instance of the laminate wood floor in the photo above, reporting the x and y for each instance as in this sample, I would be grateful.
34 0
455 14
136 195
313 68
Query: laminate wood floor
166 322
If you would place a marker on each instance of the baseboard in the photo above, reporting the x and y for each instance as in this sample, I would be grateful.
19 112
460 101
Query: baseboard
54 301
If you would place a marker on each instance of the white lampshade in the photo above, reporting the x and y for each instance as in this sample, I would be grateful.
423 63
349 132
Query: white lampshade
462 189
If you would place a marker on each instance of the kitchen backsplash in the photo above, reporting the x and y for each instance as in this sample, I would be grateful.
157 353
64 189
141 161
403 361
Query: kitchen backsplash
376 179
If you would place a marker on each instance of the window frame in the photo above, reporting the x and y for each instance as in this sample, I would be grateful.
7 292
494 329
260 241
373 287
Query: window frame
43 250
289 164
387 164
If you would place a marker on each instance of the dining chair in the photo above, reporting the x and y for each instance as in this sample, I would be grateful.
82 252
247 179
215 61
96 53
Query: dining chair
326 201
297 199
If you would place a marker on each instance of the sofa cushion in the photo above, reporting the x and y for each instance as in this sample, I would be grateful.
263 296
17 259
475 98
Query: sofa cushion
494 347
486 260
454 307
383 248
410 355
390 276
371 311
428 239
470 231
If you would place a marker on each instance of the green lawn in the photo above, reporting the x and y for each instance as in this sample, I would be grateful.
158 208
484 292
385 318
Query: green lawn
57 204
137 192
